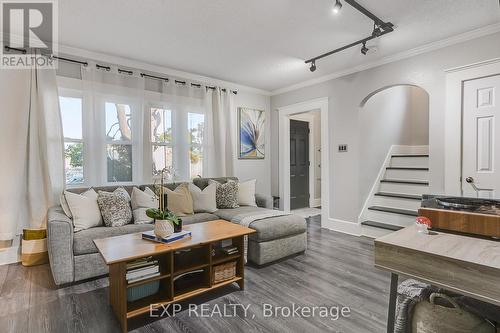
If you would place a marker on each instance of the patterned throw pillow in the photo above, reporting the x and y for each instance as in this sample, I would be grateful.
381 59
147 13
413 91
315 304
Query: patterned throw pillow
115 207
226 194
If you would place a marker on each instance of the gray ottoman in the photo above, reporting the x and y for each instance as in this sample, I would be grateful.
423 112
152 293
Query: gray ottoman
276 237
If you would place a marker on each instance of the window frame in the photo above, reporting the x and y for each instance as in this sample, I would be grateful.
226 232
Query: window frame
135 115
75 93
190 144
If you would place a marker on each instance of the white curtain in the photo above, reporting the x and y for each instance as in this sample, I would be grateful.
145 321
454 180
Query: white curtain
99 87
32 150
219 134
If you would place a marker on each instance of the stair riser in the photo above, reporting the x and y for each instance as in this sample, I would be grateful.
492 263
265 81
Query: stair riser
404 188
372 232
390 218
395 202
407 174
415 162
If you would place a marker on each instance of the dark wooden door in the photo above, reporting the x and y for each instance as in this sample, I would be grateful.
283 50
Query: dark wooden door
299 164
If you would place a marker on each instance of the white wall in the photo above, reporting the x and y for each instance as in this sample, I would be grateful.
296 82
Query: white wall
258 169
345 96
395 116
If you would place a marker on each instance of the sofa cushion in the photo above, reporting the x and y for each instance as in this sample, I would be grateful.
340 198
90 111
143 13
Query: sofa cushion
203 182
197 218
83 241
270 228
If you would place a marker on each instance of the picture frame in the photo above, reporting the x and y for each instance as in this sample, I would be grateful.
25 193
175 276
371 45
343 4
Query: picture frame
251 134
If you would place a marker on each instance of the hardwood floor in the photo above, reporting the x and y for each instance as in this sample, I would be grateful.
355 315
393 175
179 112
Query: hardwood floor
336 270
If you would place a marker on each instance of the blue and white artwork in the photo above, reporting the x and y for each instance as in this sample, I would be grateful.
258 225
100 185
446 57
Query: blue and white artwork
252 126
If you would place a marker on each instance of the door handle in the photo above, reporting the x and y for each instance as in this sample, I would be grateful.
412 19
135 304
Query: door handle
470 181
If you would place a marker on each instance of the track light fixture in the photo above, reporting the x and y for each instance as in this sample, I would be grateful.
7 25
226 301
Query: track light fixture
364 49
377 32
337 7
380 28
313 66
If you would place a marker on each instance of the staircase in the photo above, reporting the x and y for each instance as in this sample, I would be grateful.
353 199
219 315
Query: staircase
396 195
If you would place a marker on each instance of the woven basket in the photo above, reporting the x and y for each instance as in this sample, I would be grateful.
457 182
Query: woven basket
224 272
429 317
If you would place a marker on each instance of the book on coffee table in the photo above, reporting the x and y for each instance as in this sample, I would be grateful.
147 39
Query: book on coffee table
150 235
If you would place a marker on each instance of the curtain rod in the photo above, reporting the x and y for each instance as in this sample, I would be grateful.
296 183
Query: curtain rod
121 71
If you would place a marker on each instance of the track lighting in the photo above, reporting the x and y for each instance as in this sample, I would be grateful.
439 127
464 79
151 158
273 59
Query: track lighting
337 7
313 66
377 32
364 49
380 28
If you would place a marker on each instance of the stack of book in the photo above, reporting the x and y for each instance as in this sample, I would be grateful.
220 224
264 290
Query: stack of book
150 235
142 269
229 250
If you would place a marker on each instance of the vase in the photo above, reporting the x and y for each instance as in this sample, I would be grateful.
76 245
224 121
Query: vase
163 228
178 227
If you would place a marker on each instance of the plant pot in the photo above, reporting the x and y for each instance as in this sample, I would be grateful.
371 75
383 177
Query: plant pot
178 227
163 228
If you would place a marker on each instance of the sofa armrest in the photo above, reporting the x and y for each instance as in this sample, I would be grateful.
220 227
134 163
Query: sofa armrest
264 201
60 245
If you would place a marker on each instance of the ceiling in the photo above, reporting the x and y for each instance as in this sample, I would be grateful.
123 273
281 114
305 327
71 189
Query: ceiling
260 43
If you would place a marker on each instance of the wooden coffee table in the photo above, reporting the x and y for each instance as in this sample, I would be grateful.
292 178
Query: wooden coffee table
119 250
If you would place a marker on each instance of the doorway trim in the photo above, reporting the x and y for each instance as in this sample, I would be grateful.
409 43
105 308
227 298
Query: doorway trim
284 148
455 79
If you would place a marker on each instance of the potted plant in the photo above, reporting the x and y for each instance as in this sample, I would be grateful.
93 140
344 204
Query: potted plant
166 222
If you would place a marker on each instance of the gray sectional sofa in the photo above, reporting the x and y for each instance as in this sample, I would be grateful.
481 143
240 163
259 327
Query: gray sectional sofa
73 255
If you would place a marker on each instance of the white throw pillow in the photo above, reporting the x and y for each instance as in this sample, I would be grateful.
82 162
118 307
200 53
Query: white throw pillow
64 205
84 208
203 201
246 193
141 201
140 216
144 199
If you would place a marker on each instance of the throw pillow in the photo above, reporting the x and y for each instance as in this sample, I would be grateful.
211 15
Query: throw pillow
179 201
140 216
226 195
144 199
203 201
246 193
141 201
115 207
65 206
84 209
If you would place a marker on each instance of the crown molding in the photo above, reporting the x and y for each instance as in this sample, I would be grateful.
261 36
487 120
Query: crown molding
470 35
474 65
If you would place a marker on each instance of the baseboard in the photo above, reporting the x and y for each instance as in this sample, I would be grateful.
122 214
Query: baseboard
346 227
315 203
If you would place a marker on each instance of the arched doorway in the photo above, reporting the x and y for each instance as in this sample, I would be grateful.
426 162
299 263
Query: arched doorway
393 149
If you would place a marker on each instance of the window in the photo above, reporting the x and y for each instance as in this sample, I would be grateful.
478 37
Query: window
71 114
115 135
196 123
118 142
161 138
